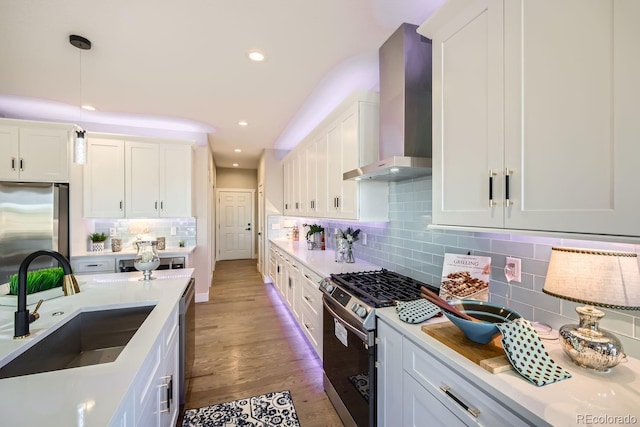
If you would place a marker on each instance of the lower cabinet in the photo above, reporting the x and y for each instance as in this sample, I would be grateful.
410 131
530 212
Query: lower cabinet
311 312
413 386
153 400
299 287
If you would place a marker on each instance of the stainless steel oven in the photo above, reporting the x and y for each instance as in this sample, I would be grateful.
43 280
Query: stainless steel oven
168 263
349 333
349 358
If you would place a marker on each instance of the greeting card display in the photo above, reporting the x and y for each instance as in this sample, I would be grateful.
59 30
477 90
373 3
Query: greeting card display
465 277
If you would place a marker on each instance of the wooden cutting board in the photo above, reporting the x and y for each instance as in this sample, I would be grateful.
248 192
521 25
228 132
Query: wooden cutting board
489 356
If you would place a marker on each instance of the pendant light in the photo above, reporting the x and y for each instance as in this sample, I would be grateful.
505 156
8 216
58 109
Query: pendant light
80 144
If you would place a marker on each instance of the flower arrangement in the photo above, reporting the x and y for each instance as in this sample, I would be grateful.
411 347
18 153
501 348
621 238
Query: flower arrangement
350 235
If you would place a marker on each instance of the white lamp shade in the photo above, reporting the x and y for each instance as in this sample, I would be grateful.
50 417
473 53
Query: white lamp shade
80 149
601 278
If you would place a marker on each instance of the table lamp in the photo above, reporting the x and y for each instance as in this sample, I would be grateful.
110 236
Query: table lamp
596 278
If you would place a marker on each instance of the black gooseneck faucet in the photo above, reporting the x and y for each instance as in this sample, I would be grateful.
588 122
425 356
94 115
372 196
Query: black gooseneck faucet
70 287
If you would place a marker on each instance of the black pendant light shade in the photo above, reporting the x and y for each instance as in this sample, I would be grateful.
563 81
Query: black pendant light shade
80 42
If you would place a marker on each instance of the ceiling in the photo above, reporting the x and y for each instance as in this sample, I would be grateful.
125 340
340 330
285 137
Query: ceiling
180 68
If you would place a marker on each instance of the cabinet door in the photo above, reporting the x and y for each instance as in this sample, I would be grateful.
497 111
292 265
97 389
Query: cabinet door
311 172
170 388
389 369
350 144
321 175
44 154
287 186
419 405
334 167
142 179
468 124
571 139
104 179
175 180
9 153
292 292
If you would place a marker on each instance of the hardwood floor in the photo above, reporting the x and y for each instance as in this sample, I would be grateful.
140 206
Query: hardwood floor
248 344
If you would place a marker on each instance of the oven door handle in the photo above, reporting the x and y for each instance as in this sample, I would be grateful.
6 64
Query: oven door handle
346 324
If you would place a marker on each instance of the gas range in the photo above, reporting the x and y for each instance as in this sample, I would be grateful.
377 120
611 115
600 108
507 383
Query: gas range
360 293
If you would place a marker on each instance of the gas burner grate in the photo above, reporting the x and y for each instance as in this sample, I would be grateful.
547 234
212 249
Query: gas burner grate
380 288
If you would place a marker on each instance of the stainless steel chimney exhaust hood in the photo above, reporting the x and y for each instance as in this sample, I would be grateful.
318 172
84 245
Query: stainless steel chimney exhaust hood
405 109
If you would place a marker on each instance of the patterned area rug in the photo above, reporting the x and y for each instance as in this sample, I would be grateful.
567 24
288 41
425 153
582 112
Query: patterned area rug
266 410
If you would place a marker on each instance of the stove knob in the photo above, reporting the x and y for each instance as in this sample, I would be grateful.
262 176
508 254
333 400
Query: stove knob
328 287
354 307
362 312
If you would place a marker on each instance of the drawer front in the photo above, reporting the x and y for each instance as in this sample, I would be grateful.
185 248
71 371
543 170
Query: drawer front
92 266
461 397
311 295
419 404
311 324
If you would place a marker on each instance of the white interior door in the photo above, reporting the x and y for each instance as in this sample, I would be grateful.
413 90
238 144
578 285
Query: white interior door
235 227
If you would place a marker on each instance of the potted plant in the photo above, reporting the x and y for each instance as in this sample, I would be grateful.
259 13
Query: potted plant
97 241
313 241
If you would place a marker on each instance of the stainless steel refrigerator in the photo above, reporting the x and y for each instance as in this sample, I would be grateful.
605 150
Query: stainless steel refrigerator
33 216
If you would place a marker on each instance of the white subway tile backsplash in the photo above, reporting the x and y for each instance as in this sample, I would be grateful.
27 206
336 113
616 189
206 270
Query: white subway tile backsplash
405 244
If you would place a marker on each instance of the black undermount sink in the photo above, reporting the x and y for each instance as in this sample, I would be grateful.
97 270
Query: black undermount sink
90 338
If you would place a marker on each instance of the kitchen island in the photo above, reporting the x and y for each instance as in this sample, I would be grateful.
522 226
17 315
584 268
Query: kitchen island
116 393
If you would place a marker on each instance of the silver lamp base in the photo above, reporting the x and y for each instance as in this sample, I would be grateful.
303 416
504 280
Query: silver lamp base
587 345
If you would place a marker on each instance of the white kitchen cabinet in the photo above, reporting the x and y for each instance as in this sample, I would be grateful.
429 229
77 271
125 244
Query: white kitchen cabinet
104 178
352 141
533 115
142 179
292 286
389 371
155 388
175 180
347 139
311 312
34 152
414 386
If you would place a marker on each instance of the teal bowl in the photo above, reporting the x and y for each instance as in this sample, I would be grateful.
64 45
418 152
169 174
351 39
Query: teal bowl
490 314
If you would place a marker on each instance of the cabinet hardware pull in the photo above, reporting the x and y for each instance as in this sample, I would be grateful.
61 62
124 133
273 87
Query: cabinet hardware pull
338 202
162 205
306 325
13 163
447 390
169 386
93 265
491 175
507 198
21 164
307 277
307 298
155 205
120 204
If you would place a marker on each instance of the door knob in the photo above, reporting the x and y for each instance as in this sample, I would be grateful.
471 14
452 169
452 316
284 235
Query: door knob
248 228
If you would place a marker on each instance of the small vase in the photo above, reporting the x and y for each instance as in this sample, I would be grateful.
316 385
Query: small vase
341 249
97 246
147 258
349 256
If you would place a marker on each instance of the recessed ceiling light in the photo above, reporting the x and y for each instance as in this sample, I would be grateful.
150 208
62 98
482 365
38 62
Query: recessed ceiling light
243 123
256 56
89 107
235 165
237 150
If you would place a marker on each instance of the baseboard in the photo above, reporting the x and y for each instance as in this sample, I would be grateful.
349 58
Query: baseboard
203 297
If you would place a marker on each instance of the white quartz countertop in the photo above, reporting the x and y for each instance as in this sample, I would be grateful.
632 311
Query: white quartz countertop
601 396
131 253
322 262
89 395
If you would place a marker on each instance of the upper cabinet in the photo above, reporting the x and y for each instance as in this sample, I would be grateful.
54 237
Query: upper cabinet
104 178
347 139
34 151
534 119
137 179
